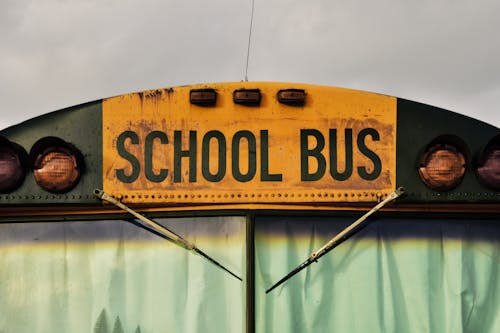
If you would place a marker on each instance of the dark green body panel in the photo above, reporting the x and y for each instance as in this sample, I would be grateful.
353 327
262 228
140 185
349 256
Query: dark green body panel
79 125
417 125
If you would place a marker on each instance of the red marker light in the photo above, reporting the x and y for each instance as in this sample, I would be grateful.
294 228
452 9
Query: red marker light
12 170
488 169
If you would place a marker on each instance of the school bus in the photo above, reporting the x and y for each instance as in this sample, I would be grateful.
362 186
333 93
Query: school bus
250 207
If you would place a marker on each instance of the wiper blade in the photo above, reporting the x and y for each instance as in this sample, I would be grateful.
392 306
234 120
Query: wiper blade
344 234
162 230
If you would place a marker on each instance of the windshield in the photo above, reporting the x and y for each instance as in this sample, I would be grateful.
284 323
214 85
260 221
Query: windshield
113 276
394 275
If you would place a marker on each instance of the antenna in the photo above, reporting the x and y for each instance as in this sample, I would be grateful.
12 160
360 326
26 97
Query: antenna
249 39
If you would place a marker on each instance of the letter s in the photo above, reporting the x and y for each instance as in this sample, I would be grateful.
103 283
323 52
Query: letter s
134 162
377 163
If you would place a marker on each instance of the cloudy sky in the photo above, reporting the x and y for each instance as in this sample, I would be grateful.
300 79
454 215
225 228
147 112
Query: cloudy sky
58 53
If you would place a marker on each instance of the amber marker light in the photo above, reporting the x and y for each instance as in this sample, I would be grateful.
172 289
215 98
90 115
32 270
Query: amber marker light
12 170
56 165
249 97
442 167
488 169
293 97
203 97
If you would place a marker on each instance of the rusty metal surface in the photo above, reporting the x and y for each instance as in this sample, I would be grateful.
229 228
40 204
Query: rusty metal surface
157 147
9 213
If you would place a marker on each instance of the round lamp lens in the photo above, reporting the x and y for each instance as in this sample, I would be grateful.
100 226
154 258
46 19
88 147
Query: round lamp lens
489 171
11 170
56 170
442 167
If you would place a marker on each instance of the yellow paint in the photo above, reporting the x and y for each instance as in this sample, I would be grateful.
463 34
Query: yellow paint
169 110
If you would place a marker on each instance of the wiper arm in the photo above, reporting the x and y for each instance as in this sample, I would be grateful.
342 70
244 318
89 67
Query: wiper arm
339 237
161 230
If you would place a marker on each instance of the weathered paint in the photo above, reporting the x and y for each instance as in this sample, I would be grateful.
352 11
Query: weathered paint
339 146
277 181
418 124
80 126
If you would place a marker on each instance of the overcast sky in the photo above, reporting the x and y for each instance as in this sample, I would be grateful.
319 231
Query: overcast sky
59 53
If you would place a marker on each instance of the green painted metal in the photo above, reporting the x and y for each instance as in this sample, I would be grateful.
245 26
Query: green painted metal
417 125
79 125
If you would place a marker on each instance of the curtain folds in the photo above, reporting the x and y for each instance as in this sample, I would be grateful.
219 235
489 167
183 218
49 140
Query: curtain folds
392 276
111 276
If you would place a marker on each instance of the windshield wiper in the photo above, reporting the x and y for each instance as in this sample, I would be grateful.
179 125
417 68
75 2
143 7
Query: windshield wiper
341 236
161 230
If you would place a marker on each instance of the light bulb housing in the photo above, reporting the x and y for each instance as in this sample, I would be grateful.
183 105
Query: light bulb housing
488 165
57 165
442 165
203 97
248 97
13 165
292 97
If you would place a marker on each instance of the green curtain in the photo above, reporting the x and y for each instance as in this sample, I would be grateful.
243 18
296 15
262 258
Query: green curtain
394 275
112 276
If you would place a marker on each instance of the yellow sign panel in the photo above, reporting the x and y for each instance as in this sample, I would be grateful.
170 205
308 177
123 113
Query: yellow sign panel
339 146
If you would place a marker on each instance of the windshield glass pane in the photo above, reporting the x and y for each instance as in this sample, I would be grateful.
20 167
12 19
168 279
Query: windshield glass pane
113 276
394 275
